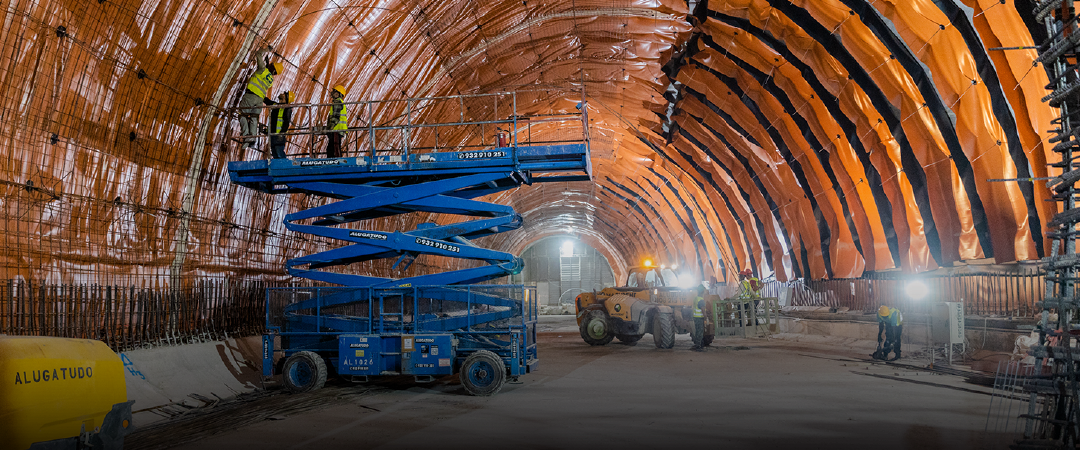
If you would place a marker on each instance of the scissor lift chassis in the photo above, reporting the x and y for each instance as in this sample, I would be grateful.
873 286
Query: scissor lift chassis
421 331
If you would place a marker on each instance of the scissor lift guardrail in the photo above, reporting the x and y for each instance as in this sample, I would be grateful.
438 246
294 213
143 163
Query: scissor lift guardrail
402 127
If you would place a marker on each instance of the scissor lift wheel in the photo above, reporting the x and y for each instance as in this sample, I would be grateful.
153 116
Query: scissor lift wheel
483 373
304 371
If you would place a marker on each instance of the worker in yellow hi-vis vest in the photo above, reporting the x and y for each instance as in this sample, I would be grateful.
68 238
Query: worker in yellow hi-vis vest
280 121
749 288
337 122
258 88
891 322
749 285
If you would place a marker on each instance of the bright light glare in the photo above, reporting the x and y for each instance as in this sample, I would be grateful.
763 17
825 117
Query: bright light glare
674 267
916 290
647 263
687 281
663 266
567 249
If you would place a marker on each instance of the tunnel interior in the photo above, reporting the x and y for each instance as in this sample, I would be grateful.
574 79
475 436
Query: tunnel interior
806 171
824 139
561 267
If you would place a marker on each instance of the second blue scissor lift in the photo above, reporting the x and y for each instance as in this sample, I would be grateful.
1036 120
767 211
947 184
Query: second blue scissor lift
424 325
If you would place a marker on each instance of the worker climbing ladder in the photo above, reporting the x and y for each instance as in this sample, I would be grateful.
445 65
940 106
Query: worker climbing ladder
423 325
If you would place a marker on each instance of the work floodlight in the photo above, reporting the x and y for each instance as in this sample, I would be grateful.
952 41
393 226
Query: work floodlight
916 290
567 249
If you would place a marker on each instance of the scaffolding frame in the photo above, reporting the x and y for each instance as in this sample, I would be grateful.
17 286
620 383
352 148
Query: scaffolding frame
745 317
1052 419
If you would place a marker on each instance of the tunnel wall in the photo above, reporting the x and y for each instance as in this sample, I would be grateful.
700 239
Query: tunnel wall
812 139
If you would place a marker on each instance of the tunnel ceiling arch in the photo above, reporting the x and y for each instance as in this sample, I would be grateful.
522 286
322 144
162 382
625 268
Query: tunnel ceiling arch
818 138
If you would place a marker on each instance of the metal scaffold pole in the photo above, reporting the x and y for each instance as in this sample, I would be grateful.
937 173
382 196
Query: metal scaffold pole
1052 416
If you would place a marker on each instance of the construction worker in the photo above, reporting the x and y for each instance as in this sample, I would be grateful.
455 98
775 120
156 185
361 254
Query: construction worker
336 122
749 288
699 319
258 88
891 321
749 285
280 120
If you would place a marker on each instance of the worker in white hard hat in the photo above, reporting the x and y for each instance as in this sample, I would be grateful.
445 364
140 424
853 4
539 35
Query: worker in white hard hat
336 122
258 88
891 322
280 120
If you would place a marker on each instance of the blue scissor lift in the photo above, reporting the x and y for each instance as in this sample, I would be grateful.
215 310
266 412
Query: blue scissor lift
425 325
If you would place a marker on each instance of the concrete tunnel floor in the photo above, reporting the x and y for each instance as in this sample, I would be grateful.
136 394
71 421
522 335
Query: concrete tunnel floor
741 393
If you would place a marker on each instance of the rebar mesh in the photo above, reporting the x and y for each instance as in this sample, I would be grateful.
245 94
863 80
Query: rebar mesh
129 316
1013 292
1010 398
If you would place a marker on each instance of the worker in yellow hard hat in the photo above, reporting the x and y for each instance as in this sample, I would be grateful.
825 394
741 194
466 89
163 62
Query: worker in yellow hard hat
891 322
258 89
337 122
280 120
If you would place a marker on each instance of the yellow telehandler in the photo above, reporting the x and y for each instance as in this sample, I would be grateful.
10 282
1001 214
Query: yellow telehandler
651 301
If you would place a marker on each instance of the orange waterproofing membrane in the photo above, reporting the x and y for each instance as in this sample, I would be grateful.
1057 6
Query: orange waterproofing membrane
820 138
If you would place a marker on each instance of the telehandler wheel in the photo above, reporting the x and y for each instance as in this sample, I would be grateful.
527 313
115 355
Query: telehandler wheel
304 371
483 373
595 329
629 339
663 330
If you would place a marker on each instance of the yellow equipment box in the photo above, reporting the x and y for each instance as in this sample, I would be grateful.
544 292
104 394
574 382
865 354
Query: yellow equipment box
57 389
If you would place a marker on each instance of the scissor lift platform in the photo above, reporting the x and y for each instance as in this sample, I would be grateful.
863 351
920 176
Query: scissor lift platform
532 163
